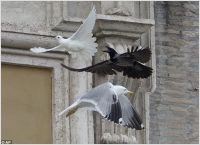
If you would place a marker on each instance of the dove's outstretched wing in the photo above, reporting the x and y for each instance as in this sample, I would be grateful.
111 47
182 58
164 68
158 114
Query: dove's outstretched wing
40 49
84 35
85 30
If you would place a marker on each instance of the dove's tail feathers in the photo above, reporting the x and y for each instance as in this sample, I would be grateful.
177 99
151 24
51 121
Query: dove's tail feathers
90 45
73 54
70 110
90 48
87 54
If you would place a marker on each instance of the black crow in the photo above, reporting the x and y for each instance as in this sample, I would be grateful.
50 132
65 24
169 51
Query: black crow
130 63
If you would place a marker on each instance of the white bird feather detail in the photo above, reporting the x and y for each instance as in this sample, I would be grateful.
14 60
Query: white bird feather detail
40 49
111 102
81 42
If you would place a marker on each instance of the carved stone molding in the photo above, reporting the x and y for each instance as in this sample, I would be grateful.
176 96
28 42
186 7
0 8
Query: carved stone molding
118 11
110 25
107 138
106 26
11 39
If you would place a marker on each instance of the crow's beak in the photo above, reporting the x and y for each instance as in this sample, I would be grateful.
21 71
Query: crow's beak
130 94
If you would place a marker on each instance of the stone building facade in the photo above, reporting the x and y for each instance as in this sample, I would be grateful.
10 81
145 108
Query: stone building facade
174 106
167 101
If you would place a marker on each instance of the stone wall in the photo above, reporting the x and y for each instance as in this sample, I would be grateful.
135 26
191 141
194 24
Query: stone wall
174 106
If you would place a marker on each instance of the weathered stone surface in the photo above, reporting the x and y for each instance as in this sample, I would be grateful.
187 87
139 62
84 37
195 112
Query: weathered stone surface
174 115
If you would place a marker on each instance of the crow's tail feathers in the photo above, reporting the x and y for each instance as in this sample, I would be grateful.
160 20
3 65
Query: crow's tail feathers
73 69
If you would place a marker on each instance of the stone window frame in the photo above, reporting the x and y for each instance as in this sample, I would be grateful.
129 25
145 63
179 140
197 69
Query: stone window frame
60 88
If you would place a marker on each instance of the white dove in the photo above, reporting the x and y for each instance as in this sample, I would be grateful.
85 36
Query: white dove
81 43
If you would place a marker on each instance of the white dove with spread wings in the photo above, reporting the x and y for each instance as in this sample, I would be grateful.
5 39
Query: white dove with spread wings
81 43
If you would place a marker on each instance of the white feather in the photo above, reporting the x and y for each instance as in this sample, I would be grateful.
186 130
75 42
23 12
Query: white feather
61 113
84 35
85 30
69 110
81 42
40 49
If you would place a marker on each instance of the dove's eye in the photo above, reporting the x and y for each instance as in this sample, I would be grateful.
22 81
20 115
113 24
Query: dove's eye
58 37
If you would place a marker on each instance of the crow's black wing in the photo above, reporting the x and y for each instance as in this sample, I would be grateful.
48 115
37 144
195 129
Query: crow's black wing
102 68
137 70
141 55
133 70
